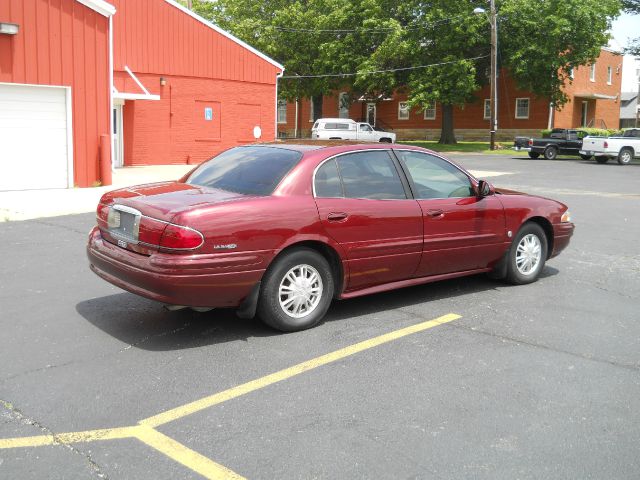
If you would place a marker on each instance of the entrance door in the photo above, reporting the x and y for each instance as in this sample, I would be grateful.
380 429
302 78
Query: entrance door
118 150
583 114
371 114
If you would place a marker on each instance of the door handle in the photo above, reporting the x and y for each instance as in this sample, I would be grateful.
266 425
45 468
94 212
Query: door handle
337 216
435 213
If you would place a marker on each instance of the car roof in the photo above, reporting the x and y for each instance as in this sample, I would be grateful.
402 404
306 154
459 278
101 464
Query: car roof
343 120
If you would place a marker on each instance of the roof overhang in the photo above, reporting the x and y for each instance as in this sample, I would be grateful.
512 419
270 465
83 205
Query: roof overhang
597 96
134 96
100 6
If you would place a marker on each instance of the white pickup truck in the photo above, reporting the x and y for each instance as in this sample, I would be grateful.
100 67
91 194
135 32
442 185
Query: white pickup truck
624 147
347 129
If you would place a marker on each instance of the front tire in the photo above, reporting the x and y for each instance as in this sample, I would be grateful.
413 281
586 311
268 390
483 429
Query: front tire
296 291
625 156
534 155
527 255
551 153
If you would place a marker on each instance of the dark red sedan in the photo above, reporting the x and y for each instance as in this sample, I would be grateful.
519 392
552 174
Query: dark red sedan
281 230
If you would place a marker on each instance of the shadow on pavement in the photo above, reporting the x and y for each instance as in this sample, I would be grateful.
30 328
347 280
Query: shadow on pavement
146 325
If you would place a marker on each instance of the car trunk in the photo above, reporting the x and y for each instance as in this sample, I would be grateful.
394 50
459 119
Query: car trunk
136 218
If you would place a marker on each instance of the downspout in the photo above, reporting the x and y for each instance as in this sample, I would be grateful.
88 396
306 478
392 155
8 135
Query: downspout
550 122
111 90
278 77
295 127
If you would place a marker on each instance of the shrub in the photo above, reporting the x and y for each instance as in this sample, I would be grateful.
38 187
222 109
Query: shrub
594 132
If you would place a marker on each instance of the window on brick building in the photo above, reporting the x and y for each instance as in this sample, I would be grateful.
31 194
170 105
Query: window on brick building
403 111
430 112
522 108
487 109
282 111
609 75
592 72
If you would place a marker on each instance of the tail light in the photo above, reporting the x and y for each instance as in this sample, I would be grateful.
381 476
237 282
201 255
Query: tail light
138 232
180 238
531 142
102 215
605 144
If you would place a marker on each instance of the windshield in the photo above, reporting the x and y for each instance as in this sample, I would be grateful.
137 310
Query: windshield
246 170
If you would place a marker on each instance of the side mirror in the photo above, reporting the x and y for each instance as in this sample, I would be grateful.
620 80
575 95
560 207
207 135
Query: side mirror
484 189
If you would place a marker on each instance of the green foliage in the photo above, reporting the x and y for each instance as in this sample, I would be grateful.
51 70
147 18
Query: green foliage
594 132
542 41
539 42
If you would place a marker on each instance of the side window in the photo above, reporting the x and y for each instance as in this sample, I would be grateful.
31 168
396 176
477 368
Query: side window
434 177
365 128
370 175
327 181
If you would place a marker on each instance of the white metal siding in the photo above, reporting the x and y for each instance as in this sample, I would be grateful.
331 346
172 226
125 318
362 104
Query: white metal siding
34 137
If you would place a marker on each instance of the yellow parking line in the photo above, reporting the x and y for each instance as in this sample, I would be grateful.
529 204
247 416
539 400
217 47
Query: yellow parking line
191 459
71 437
265 381
187 457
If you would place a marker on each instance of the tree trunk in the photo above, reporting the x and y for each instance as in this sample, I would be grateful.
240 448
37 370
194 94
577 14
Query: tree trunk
317 106
447 134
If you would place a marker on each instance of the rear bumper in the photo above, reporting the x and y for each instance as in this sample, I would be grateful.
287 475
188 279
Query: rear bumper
593 153
562 233
222 280
518 148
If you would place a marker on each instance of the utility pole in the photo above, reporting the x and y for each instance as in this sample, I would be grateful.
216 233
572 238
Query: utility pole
494 74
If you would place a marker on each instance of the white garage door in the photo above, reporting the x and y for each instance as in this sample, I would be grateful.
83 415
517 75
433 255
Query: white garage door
33 137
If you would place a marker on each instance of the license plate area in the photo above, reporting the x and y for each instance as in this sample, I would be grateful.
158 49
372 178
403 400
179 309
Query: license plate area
124 223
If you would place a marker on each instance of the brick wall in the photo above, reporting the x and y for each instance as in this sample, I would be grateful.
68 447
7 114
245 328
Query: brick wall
173 130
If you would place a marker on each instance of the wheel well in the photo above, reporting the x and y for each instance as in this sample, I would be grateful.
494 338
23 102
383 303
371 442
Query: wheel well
385 140
329 254
548 231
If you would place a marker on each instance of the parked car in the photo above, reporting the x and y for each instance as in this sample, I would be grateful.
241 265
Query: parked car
622 147
282 230
561 141
346 129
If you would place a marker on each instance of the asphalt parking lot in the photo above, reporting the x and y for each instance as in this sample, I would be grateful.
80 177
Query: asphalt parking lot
464 379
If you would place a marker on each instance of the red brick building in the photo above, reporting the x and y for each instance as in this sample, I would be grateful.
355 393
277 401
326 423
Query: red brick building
594 101
155 82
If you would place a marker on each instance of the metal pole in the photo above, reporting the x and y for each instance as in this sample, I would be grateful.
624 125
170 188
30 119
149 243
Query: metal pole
494 75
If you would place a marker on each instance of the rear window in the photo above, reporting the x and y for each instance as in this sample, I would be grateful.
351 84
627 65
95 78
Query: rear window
246 170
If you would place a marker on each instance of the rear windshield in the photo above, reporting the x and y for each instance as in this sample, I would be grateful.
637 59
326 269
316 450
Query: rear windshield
246 170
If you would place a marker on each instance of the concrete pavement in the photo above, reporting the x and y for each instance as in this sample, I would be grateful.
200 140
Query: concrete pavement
28 204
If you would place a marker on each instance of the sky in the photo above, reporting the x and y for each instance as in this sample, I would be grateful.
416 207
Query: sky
625 28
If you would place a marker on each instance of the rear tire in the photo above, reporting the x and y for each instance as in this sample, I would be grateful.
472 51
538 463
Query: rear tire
625 156
551 153
586 157
534 155
602 159
296 291
527 254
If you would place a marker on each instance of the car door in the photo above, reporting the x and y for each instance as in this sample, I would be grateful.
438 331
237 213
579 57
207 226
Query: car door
461 231
572 144
364 206
366 133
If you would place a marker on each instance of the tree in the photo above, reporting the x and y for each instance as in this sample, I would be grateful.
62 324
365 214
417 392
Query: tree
311 39
543 41
633 7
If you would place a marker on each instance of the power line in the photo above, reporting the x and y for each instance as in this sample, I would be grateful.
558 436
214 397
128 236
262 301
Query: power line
365 30
382 71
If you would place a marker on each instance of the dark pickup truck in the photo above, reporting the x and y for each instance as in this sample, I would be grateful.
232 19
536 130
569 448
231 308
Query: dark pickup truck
561 141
